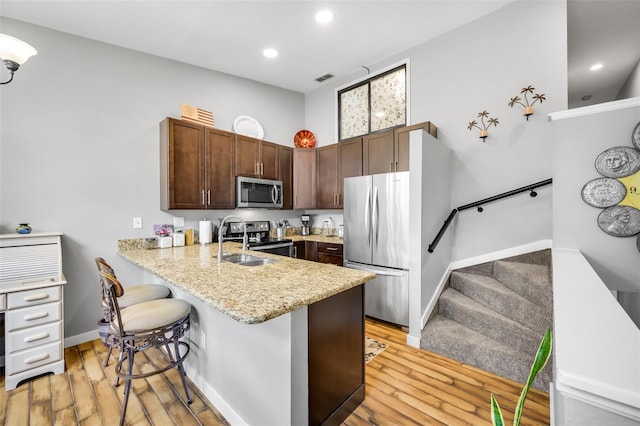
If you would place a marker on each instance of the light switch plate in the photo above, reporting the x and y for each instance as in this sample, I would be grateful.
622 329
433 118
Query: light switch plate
137 223
178 222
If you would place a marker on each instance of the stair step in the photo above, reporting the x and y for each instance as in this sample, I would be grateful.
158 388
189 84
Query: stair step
529 280
500 298
466 311
451 339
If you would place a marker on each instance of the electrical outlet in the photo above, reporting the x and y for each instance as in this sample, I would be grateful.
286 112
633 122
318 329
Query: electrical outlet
137 223
203 340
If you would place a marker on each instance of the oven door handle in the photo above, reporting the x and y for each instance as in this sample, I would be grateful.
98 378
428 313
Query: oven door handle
271 246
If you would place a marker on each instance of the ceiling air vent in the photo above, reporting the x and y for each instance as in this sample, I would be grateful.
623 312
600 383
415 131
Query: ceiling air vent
324 77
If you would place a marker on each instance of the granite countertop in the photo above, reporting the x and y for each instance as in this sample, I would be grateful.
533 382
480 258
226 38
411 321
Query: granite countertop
319 238
248 294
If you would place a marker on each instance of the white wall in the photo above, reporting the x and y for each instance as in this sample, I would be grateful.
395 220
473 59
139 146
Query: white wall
580 135
79 146
477 67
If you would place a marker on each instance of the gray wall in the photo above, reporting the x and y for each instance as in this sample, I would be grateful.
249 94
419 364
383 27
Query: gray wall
480 66
79 146
579 137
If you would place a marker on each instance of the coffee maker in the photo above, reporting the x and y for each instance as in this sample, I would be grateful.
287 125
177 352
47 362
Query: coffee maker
305 229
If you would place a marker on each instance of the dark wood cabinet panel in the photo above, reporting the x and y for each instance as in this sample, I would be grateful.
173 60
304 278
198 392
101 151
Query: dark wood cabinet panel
350 164
299 250
285 174
311 251
401 146
247 153
219 172
196 166
336 356
256 158
268 160
330 253
378 153
327 181
304 178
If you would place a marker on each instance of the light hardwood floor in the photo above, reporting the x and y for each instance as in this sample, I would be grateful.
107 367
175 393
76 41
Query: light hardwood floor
404 386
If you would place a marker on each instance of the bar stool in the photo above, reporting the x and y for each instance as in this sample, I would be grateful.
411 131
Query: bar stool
155 324
135 294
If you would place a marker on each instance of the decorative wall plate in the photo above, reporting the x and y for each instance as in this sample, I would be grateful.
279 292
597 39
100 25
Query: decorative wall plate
304 139
617 162
248 126
603 192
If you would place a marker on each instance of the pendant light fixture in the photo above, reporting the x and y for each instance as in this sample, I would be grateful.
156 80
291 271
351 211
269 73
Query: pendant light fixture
14 53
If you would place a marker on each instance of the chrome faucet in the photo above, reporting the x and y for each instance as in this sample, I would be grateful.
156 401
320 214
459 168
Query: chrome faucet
221 232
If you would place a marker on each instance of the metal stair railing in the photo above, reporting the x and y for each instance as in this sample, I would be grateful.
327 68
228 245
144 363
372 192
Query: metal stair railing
479 204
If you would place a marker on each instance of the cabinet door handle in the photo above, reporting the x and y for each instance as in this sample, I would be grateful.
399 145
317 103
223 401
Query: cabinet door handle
208 197
202 197
396 166
391 166
295 252
36 358
34 297
332 248
261 169
36 316
35 337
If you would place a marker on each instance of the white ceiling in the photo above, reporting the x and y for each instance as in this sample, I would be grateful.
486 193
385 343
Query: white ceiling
229 36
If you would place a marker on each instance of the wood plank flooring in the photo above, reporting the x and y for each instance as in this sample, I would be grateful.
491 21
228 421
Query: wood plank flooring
404 386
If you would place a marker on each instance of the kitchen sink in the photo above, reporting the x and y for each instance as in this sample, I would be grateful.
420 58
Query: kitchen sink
247 260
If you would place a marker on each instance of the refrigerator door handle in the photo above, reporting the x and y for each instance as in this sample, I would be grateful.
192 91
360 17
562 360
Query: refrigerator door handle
375 215
367 216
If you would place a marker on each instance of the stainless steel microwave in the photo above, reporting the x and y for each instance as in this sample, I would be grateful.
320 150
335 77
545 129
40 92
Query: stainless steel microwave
254 192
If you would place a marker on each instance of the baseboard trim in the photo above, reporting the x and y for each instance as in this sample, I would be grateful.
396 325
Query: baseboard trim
501 254
81 338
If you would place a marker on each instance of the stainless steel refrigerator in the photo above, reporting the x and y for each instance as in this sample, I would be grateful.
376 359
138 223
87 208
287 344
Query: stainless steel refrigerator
376 236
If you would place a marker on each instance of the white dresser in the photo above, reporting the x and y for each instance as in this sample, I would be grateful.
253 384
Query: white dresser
31 306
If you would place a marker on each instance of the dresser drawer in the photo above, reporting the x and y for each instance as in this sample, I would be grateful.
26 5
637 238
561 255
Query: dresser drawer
31 358
32 316
36 296
33 336
330 248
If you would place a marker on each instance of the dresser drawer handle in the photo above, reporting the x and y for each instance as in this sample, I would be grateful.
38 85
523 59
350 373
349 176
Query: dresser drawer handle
36 316
332 248
34 297
36 358
35 337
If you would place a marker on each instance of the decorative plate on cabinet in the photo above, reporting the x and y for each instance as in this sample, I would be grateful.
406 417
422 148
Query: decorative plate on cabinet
304 139
248 126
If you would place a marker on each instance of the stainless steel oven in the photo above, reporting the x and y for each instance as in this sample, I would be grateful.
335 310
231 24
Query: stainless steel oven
259 239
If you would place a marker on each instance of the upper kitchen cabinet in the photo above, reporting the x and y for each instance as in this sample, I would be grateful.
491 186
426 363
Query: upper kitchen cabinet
304 178
378 153
401 146
334 163
256 158
196 166
285 174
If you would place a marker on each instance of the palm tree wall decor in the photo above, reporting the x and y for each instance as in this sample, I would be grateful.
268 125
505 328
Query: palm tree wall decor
482 126
524 101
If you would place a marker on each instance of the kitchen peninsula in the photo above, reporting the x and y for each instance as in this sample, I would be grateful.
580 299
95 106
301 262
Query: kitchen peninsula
275 344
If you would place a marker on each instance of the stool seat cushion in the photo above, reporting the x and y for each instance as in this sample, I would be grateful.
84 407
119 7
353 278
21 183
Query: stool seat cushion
153 314
142 293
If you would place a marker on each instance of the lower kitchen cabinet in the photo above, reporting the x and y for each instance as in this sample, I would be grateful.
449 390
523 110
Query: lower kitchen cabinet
330 253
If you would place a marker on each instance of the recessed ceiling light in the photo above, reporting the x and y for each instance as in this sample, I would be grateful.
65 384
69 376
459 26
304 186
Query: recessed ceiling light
324 16
270 53
596 67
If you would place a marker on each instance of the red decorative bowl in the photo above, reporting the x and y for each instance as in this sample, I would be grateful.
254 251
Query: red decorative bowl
304 139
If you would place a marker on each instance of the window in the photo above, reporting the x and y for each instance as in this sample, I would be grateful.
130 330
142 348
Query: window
374 104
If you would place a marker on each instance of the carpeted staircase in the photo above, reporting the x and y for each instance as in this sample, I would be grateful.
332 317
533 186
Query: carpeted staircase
492 316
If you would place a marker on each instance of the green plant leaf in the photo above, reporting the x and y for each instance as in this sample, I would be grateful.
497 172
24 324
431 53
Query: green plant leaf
496 414
542 356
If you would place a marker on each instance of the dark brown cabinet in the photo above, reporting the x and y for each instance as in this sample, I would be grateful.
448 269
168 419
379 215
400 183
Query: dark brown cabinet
330 253
285 174
304 178
256 158
196 166
334 163
378 153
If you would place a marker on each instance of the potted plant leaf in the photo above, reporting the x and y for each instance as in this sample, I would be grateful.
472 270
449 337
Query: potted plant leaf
542 356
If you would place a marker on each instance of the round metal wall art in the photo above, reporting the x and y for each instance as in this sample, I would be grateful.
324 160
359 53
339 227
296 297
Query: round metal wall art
618 192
